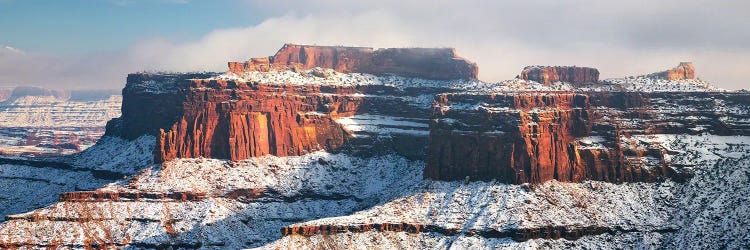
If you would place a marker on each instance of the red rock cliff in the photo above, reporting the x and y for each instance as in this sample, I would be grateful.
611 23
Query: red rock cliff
550 74
532 137
430 63
514 147
235 120
684 70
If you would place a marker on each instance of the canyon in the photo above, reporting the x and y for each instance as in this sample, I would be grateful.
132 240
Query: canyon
40 122
337 147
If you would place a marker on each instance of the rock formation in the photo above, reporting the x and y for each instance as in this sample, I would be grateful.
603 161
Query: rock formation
429 63
360 153
151 102
684 70
533 137
234 120
570 74
195 115
516 137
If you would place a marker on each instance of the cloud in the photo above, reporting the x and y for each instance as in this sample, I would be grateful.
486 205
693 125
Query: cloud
620 38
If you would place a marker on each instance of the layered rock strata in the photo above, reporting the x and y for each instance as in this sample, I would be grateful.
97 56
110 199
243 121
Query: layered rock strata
533 137
234 120
684 70
429 63
231 119
151 102
570 74
207 115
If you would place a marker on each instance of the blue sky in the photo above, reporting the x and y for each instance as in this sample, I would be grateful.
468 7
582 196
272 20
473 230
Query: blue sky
90 26
96 43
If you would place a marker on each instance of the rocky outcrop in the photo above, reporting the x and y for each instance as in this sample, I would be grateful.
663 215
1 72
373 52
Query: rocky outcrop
570 74
684 70
236 120
429 63
151 102
99 196
533 137
516 234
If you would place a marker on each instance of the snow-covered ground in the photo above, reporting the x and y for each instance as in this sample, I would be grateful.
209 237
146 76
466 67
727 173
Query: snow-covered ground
33 186
709 211
43 126
647 84
331 77
48 111
116 154
294 189
28 187
384 125
322 188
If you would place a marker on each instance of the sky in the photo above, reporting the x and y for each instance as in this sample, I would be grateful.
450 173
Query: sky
76 44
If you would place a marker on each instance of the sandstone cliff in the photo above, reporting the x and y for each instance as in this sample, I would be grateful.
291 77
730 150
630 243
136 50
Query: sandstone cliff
570 74
429 63
207 115
533 137
236 120
684 70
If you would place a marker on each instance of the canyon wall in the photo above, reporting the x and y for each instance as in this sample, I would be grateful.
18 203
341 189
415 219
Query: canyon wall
198 115
570 74
532 137
150 102
236 120
519 136
428 63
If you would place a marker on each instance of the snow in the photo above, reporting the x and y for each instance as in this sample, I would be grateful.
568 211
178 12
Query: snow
591 142
384 125
646 208
514 85
27 187
296 189
647 84
331 77
116 154
48 111
324 188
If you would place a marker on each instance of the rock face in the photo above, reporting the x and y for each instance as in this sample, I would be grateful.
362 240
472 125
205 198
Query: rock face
197 115
683 71
533 137
570 74
151 102
429 63
234 120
